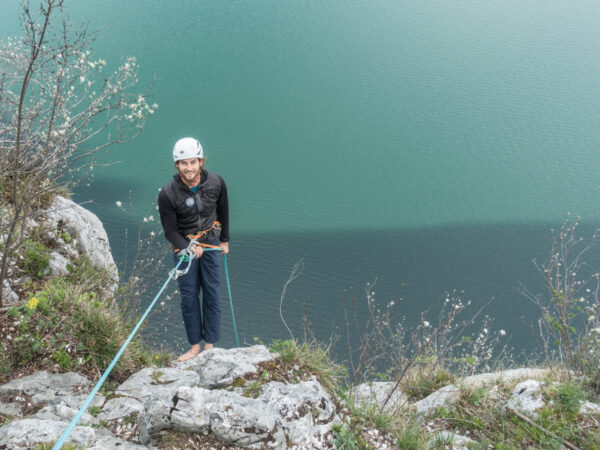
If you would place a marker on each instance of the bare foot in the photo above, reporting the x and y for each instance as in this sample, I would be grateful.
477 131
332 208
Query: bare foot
208 346
194 351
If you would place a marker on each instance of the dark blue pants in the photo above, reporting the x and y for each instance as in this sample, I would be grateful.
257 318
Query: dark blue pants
202 320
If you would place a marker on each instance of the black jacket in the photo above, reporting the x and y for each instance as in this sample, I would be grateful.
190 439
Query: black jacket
180 214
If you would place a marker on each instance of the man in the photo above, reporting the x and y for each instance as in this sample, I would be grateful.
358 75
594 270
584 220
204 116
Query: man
194 204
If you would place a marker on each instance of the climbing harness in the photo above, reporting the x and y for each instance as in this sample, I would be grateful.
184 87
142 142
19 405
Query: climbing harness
185 256
215 226
195 238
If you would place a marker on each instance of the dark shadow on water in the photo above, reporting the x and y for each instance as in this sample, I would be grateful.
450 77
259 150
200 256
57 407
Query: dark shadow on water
418 266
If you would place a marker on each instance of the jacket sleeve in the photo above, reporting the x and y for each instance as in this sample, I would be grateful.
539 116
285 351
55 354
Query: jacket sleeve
223 212
168 218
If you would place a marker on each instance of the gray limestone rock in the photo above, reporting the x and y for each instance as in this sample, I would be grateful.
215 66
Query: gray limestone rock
589 408
157 383
506 376
526 398
219 367
92 239
75 401
376 392
108 442
294 401
437 399
32 432
58 264
305 410
9 297
62 412
450 393
296 414
155 417
119 407
243 421
192 409
44 387
10 409
28 433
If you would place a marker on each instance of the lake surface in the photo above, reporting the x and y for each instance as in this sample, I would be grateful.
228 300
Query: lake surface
427 145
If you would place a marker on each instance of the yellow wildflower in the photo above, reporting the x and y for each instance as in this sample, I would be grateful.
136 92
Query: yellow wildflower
32 303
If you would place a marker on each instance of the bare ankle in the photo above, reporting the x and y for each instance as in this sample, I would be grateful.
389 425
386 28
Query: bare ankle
193 352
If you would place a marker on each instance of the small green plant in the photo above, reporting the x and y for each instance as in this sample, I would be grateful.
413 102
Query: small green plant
156 374
130 419
568 398
345 438
252 389
441 442
63 358
36 258
162 358
410 437
94 410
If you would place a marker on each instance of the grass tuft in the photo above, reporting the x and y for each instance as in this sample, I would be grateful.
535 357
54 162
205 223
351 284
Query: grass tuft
311 359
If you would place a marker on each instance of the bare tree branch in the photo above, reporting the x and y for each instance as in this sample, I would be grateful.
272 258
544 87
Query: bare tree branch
57 110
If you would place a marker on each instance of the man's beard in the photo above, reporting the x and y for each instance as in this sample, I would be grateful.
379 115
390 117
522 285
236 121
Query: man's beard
190 177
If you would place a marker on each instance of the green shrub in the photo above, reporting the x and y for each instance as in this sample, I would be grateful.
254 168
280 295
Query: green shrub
569 397
36 258
345 438
68 322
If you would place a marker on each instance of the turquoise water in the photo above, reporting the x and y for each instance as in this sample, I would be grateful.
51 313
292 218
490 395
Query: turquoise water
428 145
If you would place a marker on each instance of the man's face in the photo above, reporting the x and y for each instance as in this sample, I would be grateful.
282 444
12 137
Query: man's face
189 168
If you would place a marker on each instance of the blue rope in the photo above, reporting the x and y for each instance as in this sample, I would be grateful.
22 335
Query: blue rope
237 342
185 256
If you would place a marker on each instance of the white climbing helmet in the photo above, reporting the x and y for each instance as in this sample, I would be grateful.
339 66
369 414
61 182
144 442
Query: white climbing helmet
187 148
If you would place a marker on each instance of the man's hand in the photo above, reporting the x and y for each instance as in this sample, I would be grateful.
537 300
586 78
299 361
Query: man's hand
197 250
224 247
